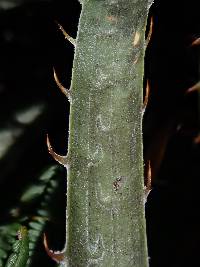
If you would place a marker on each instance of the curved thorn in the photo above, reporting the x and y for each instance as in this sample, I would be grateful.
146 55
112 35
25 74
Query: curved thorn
146 98
149 175
195 87
54 255
60 86
150 32
196 42
148 187
66 35
63 160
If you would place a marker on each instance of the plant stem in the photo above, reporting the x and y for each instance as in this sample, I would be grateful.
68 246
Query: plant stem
105 186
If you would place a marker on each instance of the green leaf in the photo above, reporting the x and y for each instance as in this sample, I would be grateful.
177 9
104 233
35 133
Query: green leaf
20 254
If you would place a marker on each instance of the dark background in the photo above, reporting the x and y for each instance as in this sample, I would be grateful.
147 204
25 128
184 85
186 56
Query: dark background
31 44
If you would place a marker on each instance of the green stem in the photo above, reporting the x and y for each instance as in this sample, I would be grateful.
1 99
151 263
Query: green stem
105 188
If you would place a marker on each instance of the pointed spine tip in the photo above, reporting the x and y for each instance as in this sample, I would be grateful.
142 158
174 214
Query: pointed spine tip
196 42
66 35
150 32
146 98
148 187
65 91
194 88
54 255
63 160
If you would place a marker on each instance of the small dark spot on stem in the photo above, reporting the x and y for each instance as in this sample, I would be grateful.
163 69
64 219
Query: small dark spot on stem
112 19
117 183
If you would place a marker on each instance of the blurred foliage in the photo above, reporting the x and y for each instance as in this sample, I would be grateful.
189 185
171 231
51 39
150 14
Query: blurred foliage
20 248
35 208
32 189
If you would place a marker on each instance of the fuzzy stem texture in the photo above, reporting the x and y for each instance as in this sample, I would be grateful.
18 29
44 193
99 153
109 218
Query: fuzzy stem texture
105 185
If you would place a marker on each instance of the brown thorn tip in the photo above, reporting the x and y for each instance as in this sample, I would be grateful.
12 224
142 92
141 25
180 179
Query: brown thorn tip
196 42
195 87
150 32
63 160
54 255
148 187
60 86
66 35
146 98
149 175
